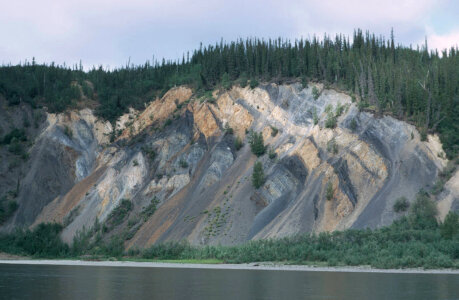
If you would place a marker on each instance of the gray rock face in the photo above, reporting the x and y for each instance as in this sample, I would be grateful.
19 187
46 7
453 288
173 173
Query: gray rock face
57 162
221 159
50 176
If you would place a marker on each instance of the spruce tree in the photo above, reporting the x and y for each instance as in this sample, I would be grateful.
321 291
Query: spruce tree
256 143
258 176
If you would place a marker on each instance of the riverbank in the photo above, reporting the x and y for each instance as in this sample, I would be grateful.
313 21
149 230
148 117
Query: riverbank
251 266
409 243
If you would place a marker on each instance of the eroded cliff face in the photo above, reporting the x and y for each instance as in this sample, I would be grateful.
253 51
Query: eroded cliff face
179 154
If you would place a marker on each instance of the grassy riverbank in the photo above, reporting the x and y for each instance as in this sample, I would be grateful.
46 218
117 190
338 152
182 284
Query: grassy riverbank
414 241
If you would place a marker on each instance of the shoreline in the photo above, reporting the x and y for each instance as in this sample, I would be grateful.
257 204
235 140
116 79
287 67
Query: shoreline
252 266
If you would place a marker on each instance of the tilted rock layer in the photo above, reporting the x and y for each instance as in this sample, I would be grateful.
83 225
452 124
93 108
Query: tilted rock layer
179 154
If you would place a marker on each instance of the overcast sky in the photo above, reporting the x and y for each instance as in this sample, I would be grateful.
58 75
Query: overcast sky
110 32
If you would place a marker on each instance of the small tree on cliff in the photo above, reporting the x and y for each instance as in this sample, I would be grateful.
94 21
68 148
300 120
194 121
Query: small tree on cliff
258 176
329 191
315 93
256 144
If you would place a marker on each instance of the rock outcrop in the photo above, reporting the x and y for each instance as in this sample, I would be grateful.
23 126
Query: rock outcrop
179 155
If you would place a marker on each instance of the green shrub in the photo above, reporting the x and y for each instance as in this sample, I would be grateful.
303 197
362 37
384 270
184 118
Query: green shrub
329 193
149 152
168 250
332 146
70 217
272 154
228 129
15 134
274 131
331 121
315 93
238 143
256 143
68 131
450 227
168 122
423 212
118 215
401 205
258 176
438 187
253 83
339 109
114 248
148 211
42 241
361 105
315 118
448 171
183 163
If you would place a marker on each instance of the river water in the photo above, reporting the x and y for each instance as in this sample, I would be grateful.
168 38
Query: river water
96 282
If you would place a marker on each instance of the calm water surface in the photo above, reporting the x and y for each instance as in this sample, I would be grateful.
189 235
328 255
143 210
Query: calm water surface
90 282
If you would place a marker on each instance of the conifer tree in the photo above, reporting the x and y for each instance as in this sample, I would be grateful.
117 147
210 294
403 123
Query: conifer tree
256 143
258 176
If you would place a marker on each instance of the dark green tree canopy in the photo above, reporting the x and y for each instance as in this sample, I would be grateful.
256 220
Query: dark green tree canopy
416 85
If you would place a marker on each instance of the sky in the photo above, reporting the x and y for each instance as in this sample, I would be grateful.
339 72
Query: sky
112 33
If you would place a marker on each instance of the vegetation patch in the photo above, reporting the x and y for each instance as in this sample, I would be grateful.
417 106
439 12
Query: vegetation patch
315 93
415 240
401 205
228 129
183 163
332 146
119 214
315 117
329 193
258 176
7 208
256 143
274 131
148 211
271 153
238 143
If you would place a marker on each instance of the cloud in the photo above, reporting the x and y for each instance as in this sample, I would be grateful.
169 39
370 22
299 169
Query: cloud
112 31
376 11
442 41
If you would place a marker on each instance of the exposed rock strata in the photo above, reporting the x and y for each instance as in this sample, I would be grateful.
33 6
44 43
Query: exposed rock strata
203 184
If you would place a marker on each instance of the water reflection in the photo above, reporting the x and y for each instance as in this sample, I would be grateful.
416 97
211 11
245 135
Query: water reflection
83 282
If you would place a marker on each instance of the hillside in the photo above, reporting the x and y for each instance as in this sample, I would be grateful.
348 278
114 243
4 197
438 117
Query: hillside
174 170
